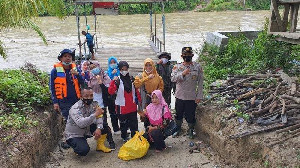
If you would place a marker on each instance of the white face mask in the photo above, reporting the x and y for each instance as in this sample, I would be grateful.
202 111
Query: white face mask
124 73
148 71
164 60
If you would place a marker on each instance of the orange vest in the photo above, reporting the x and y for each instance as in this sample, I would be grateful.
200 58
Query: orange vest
60 82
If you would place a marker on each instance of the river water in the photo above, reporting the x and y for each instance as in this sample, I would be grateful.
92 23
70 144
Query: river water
182 29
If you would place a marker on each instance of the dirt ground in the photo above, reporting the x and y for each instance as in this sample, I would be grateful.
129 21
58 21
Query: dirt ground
176 155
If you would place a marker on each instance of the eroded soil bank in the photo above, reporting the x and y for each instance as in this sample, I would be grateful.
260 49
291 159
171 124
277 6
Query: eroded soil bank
268 149
30 148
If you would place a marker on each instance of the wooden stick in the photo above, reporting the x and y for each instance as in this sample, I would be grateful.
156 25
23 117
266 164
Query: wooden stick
283 106
297 100
293 127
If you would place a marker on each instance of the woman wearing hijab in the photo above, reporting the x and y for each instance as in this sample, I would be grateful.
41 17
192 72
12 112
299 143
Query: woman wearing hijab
112 71
156 114
85 71
126 100
148 81
99 81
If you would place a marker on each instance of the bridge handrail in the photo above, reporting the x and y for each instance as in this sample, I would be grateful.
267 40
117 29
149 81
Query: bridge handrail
157 42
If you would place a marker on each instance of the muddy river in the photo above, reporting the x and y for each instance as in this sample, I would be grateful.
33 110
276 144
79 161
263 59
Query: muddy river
182 29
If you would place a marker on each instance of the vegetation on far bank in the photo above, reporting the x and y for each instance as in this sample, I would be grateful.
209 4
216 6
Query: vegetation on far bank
173 6
23 92
242 56
221 5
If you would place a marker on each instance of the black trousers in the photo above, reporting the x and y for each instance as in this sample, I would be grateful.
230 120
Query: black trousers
156 139
106 129
185 108
167 95
128 121
65 106
113 115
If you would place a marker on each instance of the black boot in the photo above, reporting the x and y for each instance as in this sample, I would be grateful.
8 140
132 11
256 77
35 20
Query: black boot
191 130
178 123
110 140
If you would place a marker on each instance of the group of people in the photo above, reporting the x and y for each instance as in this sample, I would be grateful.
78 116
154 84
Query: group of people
83 93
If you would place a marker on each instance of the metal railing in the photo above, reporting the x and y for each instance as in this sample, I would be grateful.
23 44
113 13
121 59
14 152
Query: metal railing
160 45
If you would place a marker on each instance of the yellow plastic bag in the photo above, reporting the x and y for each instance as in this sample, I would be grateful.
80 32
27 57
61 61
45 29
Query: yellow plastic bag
135 148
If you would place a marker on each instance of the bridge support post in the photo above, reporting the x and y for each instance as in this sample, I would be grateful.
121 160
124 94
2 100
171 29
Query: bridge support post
78 30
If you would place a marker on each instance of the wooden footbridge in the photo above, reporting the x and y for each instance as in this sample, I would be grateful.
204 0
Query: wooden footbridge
135 56
285 26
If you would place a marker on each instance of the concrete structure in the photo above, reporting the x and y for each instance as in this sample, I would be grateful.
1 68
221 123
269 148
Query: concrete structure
220 39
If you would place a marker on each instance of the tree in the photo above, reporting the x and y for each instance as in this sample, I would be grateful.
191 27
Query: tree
20 14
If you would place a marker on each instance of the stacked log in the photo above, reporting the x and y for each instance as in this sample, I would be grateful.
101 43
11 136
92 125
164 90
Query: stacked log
271 101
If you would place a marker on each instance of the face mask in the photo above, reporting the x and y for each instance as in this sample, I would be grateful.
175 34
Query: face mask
164 60
187 58
66 63
96 71
148 71
87 101
113 66
124 73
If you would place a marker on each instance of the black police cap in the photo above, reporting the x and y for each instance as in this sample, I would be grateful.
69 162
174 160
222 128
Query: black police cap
187 50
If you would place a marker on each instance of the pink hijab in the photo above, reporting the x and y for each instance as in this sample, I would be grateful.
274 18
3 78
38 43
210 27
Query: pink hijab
154 112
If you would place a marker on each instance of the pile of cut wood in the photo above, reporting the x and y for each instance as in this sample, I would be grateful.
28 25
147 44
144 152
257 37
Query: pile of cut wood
267 101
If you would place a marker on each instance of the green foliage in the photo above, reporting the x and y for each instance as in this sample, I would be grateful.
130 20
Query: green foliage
221 5
170 6
21 90
18 14
241 56
258 4
17 121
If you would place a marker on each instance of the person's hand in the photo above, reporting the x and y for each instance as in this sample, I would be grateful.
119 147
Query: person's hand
114 71
159 62
185 72
99 79
142 113
99 111
97 133
56 107
74 72
150 128
115 78
197 101
151 76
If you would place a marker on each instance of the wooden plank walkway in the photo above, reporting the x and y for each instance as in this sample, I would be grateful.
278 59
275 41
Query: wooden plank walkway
135 57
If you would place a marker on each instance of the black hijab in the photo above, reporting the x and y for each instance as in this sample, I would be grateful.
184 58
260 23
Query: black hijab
126 79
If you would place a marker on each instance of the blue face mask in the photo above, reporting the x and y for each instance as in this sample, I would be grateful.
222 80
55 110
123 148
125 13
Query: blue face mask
113 66
66 63
96 71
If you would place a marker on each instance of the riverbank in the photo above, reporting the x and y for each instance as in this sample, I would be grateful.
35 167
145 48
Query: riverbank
31 147
251 151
